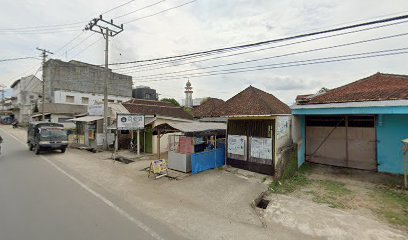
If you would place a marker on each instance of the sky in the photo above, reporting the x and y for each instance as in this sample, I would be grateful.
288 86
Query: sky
203 25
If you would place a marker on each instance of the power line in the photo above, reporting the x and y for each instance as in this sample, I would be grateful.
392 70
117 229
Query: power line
282 55
174 62
69 42
114 8
139 9
16 59
160 12
86 48
221 50
347 57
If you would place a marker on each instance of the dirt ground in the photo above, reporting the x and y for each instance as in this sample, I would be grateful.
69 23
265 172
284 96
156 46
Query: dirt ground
338 203
315 204
211 205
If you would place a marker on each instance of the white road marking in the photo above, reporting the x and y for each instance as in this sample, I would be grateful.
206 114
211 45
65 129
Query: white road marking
98 195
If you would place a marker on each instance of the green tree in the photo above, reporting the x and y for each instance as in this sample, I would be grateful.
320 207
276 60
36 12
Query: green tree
171 100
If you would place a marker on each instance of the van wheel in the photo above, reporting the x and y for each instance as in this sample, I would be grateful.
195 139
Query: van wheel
37 150
63 150
30 147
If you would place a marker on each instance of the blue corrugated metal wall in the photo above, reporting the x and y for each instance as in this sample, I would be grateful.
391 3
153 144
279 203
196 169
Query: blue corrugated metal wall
391 129
208 160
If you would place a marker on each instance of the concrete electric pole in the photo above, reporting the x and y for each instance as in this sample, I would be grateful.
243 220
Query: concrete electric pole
106 28
44 58
2 97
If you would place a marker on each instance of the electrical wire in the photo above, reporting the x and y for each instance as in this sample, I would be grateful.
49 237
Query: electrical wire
139 9
347 57
160 12
180 62
221 50
16 59
282 55
87 47
114 8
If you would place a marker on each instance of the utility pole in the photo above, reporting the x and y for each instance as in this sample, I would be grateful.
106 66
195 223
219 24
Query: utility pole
2 97
106 28
44 58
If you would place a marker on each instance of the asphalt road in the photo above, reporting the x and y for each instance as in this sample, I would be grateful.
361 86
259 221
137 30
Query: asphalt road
39 201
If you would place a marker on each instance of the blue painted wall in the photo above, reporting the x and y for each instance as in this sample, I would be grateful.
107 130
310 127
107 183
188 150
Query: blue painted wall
352 110
302 145
391 129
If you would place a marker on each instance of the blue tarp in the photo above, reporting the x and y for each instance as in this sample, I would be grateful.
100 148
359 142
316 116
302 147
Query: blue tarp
203 161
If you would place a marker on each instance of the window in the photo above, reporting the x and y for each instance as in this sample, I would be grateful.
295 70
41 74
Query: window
110 100
119 101
69 99
85 100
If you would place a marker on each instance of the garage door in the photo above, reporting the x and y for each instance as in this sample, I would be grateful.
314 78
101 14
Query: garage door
345 141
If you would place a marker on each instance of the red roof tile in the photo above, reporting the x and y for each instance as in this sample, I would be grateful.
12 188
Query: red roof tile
253 101
378 87
150 107
208 108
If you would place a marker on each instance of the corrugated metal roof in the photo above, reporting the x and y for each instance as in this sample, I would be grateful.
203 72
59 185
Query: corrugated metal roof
199 128
86 119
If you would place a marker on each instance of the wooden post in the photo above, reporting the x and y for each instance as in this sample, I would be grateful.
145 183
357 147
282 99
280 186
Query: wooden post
158 144
138 142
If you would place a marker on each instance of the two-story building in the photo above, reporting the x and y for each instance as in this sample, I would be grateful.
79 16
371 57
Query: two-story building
81 83
26 94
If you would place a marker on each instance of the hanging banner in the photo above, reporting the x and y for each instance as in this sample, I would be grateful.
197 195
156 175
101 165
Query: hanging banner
130 122
261 148
236 144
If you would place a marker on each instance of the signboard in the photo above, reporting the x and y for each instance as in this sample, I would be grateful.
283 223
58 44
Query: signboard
158 168
282 128
236 144
95 110
130 122
261 148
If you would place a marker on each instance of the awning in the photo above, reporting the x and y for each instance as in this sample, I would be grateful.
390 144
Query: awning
86 119
193 128
39 114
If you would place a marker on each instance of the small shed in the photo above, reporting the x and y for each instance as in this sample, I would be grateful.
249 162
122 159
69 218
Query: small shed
258 130
196 146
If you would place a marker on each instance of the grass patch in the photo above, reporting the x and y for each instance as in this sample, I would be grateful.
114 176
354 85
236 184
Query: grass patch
392 205
289 185
332 193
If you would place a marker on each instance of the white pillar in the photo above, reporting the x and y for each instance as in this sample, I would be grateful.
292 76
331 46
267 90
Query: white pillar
138 142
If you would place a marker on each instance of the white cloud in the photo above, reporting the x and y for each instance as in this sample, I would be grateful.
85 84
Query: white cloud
208 24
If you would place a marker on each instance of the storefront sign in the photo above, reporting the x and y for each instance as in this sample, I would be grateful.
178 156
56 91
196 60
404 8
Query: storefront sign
95 110
236 144
261 148
130 122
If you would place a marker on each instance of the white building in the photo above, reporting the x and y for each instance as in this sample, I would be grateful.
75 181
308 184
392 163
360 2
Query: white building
26 93
82 98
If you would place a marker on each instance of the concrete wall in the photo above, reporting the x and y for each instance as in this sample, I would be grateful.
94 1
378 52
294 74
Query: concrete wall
82 77
27 92
60 97
391 129
283 136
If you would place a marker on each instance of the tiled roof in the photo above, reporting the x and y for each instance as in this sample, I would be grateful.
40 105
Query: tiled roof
208 108
378 87
253 101
150 107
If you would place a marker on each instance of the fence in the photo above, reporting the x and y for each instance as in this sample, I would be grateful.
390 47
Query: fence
208 159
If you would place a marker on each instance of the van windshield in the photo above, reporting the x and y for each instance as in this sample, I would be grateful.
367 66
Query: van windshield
53 134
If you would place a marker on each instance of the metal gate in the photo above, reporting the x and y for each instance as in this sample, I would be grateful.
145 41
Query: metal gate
345 141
